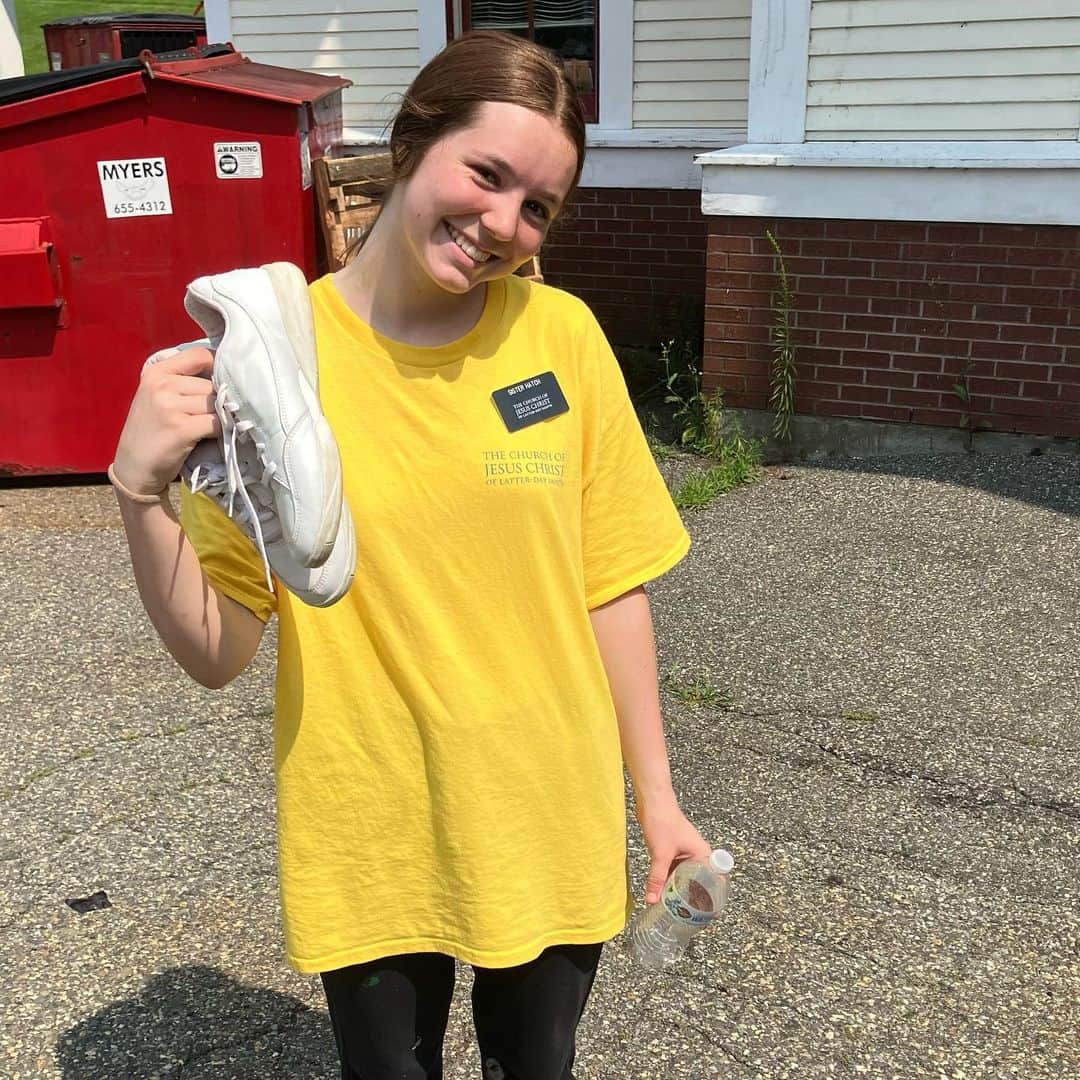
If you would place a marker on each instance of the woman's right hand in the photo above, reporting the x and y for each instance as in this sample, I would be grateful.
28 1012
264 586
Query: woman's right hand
172 410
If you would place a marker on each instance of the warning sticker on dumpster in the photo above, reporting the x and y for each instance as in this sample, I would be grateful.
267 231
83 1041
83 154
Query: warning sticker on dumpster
238 160
135 187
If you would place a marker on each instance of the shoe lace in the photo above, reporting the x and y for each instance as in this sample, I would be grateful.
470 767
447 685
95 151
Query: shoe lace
244 471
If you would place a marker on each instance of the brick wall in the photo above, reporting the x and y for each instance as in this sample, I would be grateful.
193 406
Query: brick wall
891 316
637 257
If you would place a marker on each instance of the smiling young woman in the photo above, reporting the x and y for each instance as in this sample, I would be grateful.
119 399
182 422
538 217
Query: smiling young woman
471 210
487 148
450 737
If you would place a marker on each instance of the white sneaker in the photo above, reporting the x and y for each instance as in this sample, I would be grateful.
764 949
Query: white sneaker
234 473
260 326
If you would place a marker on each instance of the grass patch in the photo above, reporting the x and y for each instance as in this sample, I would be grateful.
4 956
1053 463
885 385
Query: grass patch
738 465
697 691
1033 742
30 14
858 716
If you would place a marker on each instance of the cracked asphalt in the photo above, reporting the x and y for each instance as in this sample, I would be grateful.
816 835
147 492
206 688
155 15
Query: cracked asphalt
884 731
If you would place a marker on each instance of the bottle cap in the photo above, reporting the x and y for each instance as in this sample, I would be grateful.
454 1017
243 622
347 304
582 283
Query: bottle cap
721 862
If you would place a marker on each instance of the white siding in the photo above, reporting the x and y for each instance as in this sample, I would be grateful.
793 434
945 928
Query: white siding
691 63
943 69
373 42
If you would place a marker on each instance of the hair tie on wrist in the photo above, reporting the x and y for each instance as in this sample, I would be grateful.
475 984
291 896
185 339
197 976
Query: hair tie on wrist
134 496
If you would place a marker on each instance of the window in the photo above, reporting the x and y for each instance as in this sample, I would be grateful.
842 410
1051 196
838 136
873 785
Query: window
567 27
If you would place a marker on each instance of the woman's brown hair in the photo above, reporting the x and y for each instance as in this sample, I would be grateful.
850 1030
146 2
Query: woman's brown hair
482 66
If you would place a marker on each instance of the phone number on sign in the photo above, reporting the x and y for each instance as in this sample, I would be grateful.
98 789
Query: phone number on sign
153 206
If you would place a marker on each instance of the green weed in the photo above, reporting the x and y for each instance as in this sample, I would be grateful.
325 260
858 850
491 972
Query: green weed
698 416
697 691
738 464
782 398
1033 742
858 716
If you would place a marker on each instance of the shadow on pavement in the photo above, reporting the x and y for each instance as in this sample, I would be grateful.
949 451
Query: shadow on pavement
1043 480
195 1021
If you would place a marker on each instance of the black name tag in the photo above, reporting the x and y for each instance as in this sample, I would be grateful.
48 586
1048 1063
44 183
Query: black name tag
530 401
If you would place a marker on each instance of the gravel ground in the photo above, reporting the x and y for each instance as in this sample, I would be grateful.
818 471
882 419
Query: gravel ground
872 691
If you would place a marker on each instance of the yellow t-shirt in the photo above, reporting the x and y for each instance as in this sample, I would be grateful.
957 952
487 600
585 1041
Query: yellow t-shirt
449 775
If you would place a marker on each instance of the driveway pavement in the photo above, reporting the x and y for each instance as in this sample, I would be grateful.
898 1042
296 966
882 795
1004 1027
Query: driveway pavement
873 695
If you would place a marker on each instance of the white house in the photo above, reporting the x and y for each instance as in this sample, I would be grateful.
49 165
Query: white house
915 159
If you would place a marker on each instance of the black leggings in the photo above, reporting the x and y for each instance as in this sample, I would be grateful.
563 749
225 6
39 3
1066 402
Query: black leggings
389 1016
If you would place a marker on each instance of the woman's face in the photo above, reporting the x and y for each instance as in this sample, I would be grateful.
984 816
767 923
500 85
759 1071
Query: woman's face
481 200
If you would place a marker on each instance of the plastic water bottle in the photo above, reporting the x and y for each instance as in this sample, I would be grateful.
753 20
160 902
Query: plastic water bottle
693 897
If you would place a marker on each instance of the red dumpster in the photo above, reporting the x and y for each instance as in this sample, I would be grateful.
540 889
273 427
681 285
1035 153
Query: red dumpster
119 183
96 39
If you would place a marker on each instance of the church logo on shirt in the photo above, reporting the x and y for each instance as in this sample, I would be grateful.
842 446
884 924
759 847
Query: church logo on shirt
521 467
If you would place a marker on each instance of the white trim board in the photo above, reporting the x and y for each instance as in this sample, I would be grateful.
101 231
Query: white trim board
651 138
655 167
779 66
218 21
1013 183
431 20
615 106
988 154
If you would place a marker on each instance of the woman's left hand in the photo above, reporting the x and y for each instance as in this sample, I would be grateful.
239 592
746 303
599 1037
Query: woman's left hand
670 838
